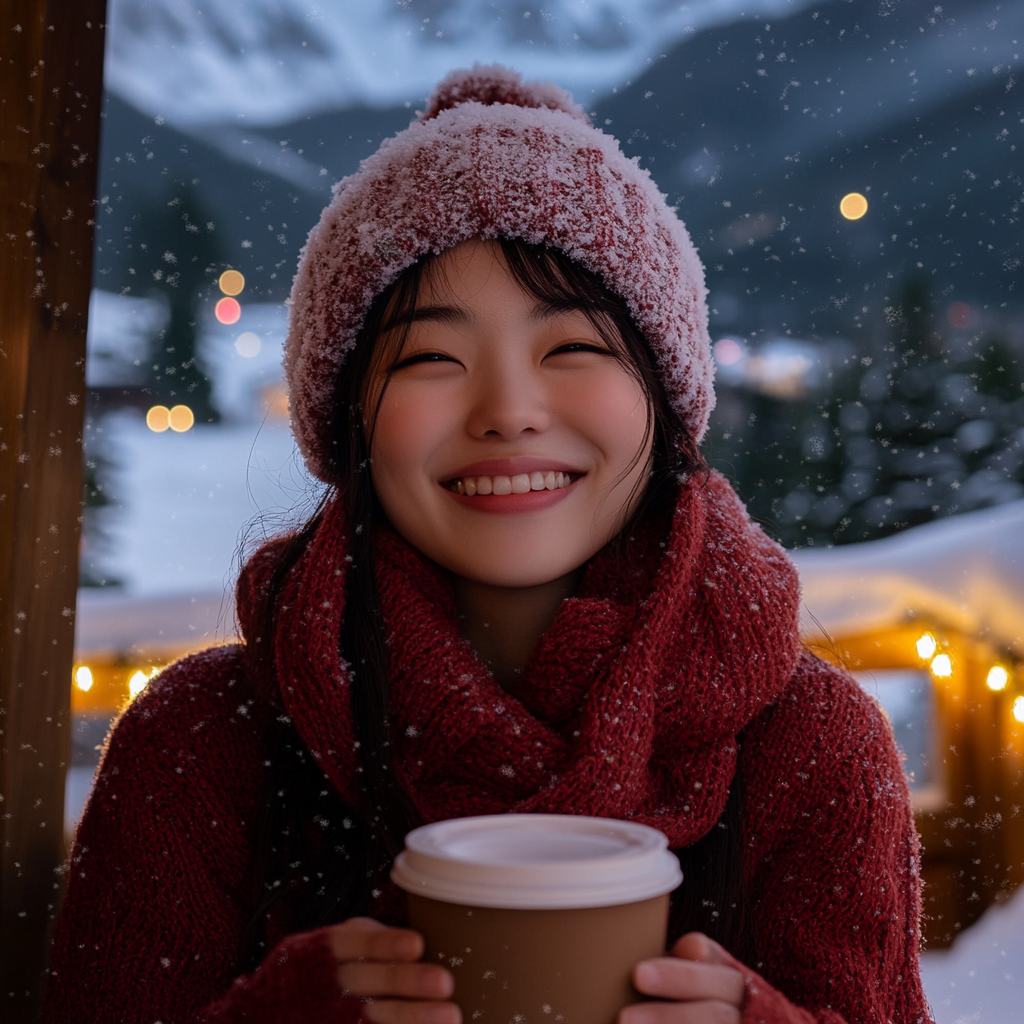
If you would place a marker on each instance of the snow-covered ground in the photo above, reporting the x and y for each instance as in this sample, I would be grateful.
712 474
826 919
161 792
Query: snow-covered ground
980 979
271 61
190 501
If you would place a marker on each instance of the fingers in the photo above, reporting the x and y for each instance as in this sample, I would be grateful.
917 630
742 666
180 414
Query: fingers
404 980
697 946
362 938
703 1012
671 978
389 1011
381 966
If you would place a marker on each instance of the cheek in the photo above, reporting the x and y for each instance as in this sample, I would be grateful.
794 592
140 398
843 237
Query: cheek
612 410
407 433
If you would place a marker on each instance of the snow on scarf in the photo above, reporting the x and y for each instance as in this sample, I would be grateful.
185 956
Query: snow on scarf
629 707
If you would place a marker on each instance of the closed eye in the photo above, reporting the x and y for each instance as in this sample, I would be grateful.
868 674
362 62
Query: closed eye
422 357
580 346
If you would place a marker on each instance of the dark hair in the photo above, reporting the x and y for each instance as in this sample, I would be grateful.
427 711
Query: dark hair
313 854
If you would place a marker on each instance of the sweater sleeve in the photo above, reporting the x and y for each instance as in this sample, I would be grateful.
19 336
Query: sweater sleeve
832 861
157 896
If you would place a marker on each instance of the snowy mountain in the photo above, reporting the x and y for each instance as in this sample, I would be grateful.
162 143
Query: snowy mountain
271 61
755 128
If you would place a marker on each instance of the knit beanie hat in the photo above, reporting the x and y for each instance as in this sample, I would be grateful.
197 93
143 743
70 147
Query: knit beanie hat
495 157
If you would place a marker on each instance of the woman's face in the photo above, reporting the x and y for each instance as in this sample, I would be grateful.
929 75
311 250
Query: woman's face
511 442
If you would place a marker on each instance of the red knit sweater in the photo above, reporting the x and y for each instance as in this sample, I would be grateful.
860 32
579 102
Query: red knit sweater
160 884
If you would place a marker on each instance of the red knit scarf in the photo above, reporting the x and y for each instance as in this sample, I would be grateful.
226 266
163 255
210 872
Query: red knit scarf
630 704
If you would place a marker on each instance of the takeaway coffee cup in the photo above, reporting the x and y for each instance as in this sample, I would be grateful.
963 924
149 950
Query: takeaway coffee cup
540 917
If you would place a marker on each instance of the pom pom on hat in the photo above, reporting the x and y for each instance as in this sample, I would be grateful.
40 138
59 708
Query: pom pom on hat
494 157
492 83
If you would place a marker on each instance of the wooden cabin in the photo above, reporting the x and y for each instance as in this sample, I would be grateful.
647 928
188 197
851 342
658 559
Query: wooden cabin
931 621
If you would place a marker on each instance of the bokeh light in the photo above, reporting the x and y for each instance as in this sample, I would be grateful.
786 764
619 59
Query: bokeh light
997 678
227 311
137 683
959 314
158 419
942 666
853 206
728 352
1018 709
275 402
83 678
181 419
925 646
231 282
248 344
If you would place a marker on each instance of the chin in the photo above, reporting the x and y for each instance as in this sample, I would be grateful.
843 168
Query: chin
535 575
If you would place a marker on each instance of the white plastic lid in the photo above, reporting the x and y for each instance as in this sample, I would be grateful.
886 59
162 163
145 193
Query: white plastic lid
536 862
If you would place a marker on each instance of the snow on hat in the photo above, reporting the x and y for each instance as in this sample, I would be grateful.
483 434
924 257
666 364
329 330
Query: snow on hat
494 157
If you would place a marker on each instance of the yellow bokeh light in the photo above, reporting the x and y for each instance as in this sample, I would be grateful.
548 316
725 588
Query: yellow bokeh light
1018 709
942 666
925 646
137 683
181 419
158 419
83 678
231 282
997 678
853 206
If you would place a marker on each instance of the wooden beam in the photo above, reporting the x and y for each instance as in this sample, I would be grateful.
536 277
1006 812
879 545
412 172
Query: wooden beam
50 91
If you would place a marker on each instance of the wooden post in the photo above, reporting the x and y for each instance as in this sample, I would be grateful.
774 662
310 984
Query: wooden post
50 90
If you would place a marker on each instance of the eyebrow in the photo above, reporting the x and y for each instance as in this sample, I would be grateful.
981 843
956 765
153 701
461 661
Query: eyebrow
455 315
436 314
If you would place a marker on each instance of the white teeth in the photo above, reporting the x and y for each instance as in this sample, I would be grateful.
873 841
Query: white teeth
521 483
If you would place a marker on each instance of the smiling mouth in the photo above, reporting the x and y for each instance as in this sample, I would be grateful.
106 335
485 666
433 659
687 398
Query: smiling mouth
521 483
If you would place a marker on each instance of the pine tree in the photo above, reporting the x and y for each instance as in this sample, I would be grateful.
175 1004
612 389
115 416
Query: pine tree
179 258
923 425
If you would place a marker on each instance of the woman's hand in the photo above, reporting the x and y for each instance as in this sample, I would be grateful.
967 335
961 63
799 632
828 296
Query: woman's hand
695 977
382 966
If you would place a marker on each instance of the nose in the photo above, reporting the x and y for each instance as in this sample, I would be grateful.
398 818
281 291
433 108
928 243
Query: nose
507 401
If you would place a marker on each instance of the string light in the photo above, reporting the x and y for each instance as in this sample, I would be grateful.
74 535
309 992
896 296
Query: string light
942 666
926 646
137 683
83 678
997 678
1018 709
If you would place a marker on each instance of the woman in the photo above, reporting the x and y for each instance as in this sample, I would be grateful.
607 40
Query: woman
523 592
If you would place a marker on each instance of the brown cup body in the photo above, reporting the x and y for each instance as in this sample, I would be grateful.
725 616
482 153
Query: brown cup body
565 966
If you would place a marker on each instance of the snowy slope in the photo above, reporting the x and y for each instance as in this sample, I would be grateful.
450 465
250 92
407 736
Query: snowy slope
270 61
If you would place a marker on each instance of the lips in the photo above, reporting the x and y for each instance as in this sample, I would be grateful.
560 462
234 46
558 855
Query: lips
522 483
